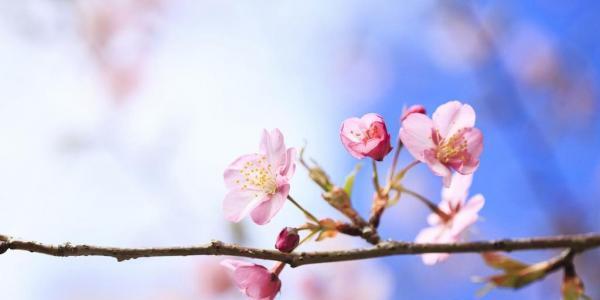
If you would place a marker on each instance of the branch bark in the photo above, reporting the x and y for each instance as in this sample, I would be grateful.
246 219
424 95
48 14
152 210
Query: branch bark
578 243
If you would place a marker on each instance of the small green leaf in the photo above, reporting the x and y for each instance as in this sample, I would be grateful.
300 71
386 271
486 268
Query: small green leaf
503 262
349 182
516 274
519 279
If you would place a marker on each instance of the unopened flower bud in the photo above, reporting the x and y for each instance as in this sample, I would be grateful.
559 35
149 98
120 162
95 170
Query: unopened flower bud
413 109
287 240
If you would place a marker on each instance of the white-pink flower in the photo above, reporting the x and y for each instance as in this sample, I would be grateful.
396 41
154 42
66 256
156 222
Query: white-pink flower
255 281
446 142
460 214
258 183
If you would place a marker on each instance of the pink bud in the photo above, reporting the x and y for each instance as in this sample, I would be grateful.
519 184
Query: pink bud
367 136
413 109
287 240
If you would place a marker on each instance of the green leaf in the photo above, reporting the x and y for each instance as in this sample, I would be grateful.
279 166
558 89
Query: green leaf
519 279
503 262
516 274
349 182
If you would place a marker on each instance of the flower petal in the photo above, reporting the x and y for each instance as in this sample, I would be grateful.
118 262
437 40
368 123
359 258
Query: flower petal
272 145
351 127
264 212
434 235
452 116
234 173
289 167
351 135
433 219
378 149
430 235
416 135
233 264
431 259
458 190
256 281
371 118
474 139
467 215
238 203
437 167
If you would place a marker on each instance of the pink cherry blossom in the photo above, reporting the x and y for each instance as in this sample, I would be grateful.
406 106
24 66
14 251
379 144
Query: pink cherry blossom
413 109
367 136
445 143
258 183
255 281
460 215
213 280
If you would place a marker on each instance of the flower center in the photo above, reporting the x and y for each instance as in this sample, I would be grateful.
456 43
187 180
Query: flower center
259 175
371 133
452 149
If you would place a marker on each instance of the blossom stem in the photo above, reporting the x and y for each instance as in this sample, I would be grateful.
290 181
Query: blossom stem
399 175
444 216
308 237
406 169
395 160
306 212
376 178
278 268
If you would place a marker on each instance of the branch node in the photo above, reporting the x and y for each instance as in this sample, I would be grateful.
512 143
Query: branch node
4 246
501 244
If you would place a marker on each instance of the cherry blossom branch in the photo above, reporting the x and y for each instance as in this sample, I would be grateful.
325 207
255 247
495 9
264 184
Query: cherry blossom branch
578 243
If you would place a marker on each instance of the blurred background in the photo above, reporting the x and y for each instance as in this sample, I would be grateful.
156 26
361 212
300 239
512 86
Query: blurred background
118 117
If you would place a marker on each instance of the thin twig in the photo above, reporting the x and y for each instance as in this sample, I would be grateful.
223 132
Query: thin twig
394 161
306 212
578 243
427 202
376 177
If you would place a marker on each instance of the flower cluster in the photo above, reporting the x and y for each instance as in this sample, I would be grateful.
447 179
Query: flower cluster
448 143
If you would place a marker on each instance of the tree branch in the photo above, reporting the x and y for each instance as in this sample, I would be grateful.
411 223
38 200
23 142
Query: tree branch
577 243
